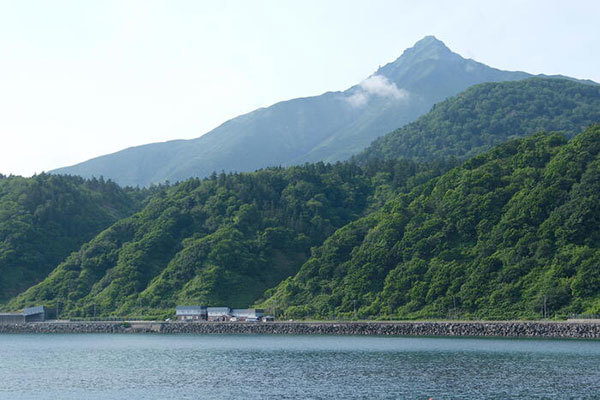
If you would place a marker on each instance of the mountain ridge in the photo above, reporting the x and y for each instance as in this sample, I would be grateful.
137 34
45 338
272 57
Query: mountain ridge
328 127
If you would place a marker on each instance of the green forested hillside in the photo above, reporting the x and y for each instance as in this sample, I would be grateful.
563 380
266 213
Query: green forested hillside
222 240
46 217
492 113
492 239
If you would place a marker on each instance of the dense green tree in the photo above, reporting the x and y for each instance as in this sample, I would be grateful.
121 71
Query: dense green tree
221 240
491 113
46 217
495 238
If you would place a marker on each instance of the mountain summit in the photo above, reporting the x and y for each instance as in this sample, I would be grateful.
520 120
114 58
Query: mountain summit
428 47
329 127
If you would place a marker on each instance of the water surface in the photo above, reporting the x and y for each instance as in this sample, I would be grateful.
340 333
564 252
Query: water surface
102 366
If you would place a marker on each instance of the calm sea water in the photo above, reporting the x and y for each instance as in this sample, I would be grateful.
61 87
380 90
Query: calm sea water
294 367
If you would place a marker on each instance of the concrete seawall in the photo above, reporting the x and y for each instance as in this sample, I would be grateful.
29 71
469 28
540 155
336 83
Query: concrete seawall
575 330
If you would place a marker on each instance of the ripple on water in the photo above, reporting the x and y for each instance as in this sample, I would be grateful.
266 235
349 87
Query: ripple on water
317 367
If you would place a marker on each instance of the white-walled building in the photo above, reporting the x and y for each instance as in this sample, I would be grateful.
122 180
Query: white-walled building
191 313
219 313
247 314
216 314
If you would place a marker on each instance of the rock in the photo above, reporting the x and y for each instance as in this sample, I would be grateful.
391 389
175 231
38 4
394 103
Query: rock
575 330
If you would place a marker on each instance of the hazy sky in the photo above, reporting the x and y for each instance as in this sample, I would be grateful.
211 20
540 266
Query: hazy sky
83 78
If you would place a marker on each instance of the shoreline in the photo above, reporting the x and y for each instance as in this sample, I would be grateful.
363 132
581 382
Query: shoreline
506 329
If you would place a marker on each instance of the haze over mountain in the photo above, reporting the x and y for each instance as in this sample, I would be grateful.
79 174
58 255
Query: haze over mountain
329 127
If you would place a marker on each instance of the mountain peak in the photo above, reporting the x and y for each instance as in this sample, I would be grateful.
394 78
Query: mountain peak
429 41
429 47
295 131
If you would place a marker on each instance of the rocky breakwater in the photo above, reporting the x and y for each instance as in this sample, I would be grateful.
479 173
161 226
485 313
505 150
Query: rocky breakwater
82 327
475 329
574 330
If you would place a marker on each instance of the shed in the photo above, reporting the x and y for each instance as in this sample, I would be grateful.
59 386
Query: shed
245 314
35 314
12 318
219 313
191 313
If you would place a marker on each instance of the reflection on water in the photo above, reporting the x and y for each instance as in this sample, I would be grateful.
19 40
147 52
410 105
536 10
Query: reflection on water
289 367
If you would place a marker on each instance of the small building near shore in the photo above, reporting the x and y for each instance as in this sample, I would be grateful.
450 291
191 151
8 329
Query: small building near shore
218 314
247 314
31 314
38 314
12 318
191 313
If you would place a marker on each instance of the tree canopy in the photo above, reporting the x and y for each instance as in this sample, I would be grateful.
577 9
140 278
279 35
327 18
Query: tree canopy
45 218
220 240
495 238
489 114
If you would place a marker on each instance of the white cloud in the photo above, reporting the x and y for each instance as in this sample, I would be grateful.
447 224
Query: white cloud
358 99
376 85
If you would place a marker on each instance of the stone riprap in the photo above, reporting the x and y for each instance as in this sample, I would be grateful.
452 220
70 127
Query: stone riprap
576 330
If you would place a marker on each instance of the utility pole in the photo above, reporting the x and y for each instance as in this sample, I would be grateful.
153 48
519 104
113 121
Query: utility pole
545 307
454 310
57 309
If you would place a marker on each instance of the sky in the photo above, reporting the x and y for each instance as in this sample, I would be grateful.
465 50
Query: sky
79 79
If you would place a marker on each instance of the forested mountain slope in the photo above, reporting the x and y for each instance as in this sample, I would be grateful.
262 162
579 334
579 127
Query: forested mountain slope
491 113
45 218
228 238
219 241
329 127
491 239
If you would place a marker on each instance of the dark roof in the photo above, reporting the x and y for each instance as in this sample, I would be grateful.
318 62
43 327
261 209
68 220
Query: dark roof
190 308
34 310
